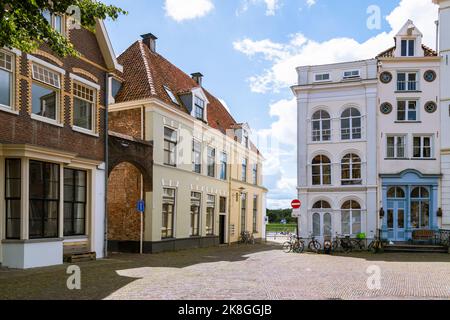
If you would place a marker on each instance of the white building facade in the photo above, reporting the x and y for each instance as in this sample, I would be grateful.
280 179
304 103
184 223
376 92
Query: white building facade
337 171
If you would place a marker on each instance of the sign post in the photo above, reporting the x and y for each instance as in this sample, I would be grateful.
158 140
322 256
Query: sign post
141 209
296 205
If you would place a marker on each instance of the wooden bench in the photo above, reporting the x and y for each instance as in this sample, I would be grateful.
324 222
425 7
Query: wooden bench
423 236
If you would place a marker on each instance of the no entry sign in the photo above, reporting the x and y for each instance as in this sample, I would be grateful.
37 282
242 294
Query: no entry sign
296 204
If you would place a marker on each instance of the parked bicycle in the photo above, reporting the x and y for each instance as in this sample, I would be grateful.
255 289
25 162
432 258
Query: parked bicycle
342 242
295 244
247 238
376 245
314 245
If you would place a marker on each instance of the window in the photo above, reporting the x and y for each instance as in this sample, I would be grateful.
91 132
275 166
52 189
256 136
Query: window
12 197
408 48
55 21
321 126
327 225
75 191
407 110
243 212
351 218
170 146
420 208
168 212
196 200
396 147
44 200
351 74
322 77
6 79
171 95
422 147
407 81
244 169
45 92
255 214
321 211
321 171
351 124
255 174
316 225
223 205
83 107
196 156
245 139
351 170
210 212
223 166
211 162
396 193
321 205
199 107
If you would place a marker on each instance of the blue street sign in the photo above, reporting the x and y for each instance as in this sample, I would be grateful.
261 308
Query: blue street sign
140 206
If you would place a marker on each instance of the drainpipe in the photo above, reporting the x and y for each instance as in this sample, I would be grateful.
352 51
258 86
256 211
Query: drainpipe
105 239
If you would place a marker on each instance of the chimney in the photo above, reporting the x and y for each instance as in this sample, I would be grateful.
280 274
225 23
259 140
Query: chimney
149 40
198 77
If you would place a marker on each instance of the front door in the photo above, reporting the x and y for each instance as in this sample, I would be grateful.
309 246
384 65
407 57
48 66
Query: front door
396 221
222 220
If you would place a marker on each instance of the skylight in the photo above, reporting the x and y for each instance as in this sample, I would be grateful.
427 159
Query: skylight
171 95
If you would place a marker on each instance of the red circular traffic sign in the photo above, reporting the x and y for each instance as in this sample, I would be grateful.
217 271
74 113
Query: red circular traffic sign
296 204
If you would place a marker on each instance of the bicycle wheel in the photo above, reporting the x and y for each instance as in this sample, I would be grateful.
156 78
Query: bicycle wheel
287 247
314 246
371 247
335 245
298 247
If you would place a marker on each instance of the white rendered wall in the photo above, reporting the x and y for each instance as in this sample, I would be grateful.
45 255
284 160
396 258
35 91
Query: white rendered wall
99 212
29 254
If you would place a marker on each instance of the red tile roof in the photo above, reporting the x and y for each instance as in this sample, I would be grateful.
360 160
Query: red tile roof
145 75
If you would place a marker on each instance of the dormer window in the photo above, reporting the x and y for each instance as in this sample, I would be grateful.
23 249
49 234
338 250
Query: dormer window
171 95
320 77
245 140
56 21
199 106
408 48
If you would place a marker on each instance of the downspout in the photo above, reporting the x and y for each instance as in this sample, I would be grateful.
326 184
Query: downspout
230 197
105 239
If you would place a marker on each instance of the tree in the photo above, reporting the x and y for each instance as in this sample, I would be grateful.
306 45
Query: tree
24 27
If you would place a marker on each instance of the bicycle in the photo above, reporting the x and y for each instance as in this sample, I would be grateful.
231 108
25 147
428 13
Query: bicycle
247 238
295 244
343 242
314 245
376 245
359 244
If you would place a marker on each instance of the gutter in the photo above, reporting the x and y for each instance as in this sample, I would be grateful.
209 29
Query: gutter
105 239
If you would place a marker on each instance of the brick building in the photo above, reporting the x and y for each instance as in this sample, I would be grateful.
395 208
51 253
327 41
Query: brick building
52 149
206 183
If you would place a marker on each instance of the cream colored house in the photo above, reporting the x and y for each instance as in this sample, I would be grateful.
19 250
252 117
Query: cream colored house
198 196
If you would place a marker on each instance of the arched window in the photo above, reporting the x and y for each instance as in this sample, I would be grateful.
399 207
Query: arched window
420 208
316 225
321 171
321 205
321 126
327 225
351 124
351 170
396 193
351 218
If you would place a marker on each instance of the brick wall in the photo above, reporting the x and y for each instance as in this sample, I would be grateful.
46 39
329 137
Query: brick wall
21 129
126 122
123 193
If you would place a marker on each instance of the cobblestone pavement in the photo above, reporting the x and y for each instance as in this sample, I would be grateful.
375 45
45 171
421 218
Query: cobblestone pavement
240 272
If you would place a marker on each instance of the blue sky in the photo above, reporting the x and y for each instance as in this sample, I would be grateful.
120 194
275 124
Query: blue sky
248 51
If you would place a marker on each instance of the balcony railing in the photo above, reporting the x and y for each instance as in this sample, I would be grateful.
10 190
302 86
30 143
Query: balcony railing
407 85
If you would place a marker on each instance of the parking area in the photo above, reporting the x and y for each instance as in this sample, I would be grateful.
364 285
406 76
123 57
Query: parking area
240 272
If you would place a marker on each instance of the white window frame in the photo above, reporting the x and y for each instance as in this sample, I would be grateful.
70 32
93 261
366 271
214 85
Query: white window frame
408 47
200 107
194 141
321 130
94 107
351 128
176 146
396 145
406 82
354 74
352 180
209 159
351 222
41 83
12 97
316 75
321 174
53 21
407 101
422 138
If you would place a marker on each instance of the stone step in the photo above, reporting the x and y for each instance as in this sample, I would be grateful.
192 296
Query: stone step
415 248
80 257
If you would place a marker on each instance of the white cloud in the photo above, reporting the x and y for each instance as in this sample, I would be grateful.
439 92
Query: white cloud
299 50
310 3
181 10
271 6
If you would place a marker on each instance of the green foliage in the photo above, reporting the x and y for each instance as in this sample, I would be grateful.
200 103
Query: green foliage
275 216
23 26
